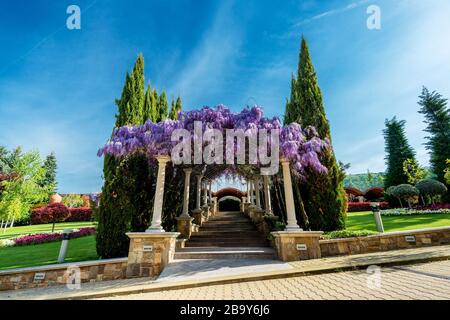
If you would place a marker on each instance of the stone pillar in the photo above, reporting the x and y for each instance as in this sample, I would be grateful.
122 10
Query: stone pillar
159 195
258 196
149 253
205 207
210 191
187 182
289 197
297 245
184 221
267 200
197 212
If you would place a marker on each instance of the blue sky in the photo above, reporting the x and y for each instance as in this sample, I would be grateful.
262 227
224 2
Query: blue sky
57 86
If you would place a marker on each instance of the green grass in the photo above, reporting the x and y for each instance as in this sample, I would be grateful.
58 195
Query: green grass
39 228
364 221
80 249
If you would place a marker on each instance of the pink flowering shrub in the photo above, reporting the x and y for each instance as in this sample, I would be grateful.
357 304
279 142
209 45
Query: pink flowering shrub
50 237
79 214
365 206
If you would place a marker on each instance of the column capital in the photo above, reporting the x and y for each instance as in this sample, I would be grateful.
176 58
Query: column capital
283 160
162 159
187 170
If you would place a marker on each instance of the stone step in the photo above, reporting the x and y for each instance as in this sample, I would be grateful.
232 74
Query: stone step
226 253
225 244
226 234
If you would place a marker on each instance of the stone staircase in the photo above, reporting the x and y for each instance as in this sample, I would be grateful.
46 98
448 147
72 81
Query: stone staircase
228 235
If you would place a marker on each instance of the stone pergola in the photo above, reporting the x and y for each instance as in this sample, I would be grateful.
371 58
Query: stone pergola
150 251
297 148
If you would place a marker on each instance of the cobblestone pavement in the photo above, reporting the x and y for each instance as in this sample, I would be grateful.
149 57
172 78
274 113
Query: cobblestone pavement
419 281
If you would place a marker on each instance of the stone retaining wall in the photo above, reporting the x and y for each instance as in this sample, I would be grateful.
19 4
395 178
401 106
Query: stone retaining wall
385 242
44 276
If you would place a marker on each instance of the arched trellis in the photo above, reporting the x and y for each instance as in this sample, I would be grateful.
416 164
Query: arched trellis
298 149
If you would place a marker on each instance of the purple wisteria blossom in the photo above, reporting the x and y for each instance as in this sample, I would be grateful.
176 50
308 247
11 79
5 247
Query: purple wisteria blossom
301 146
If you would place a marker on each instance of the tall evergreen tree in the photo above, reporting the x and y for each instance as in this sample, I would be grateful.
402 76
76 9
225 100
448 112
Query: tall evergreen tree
163 106
437 117
50 167
397 152
323 195
174 109
125 191
150 105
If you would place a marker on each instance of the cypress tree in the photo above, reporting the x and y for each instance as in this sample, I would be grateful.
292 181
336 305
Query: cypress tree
163 106
174 109
397 152
50 167
123 178
437 117
323 195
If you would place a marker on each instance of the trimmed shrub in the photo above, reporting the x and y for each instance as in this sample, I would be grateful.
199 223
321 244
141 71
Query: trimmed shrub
364 206
431 188
406 192
55 212
79 215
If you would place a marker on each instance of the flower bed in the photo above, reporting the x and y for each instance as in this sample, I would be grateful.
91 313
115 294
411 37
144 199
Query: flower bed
340 234
412 212
49 237
364 206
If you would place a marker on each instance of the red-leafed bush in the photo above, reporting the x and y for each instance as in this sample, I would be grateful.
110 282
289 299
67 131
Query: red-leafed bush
353 191
79 214
55 212
374 193
364 206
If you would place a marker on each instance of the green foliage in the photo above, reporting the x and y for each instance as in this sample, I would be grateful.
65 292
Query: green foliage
397 152
348 234
24 189
324 200
73 201
129 183
49 179
163 106
406 192
362 181
447 172
437 117
174 109
431 187
413 171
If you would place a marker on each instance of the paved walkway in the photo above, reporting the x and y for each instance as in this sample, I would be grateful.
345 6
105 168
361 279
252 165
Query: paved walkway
187 274
403 283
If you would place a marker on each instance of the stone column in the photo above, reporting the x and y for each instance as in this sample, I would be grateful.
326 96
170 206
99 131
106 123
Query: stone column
184 221
258 196
159 195
267 196
205 207
197 212
289 197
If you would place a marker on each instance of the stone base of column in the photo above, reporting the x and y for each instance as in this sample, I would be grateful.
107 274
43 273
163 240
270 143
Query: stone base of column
184 226
246 206
198 216
206 212
149 253
297 245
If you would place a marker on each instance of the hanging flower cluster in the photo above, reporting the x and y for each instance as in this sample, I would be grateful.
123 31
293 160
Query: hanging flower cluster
301 146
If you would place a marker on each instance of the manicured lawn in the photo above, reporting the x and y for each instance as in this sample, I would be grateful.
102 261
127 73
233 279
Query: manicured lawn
80 249
17 231
365 221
